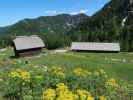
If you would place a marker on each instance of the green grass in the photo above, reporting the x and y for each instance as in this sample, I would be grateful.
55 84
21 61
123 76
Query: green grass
118 65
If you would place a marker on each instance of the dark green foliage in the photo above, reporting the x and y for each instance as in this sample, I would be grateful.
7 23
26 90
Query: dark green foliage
53 41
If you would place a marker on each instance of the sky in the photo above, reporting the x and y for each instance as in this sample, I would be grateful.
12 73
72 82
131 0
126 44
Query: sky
12 11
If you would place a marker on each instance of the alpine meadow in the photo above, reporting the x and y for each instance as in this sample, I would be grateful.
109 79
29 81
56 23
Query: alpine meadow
67 53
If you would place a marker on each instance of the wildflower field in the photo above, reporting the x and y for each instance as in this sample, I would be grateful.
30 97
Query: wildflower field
66 76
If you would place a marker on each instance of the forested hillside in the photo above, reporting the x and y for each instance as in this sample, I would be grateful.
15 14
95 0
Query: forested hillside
113 23
51 29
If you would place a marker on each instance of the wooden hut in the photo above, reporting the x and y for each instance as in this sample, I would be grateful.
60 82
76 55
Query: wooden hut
27 45
95 47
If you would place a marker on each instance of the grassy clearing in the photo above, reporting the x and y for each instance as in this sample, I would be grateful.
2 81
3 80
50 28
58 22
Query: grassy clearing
118 65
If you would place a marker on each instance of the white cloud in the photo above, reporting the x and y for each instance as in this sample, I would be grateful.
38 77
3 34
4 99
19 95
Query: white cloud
54 12
84 11
80 11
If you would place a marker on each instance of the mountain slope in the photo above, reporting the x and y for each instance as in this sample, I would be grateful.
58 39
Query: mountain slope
49 24
113 23
54 27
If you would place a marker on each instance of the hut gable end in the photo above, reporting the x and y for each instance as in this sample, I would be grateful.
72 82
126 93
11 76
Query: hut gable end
27 45
25 42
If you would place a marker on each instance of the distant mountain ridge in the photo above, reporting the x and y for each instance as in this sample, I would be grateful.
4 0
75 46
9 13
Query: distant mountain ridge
113 23
45 26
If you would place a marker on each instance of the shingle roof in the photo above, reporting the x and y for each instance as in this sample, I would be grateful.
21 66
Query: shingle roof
28 42
93 46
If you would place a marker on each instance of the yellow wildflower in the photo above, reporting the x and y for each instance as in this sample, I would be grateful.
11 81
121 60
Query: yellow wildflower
81 72
66 95
79 91
102 98
100 72
24 75
63 93
61 87
14 74
49 94
83 94
90 98
57 71
111 82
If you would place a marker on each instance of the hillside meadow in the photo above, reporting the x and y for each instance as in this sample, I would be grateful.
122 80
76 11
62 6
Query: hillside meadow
37 77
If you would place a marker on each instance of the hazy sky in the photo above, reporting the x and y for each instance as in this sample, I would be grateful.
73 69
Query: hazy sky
13 10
